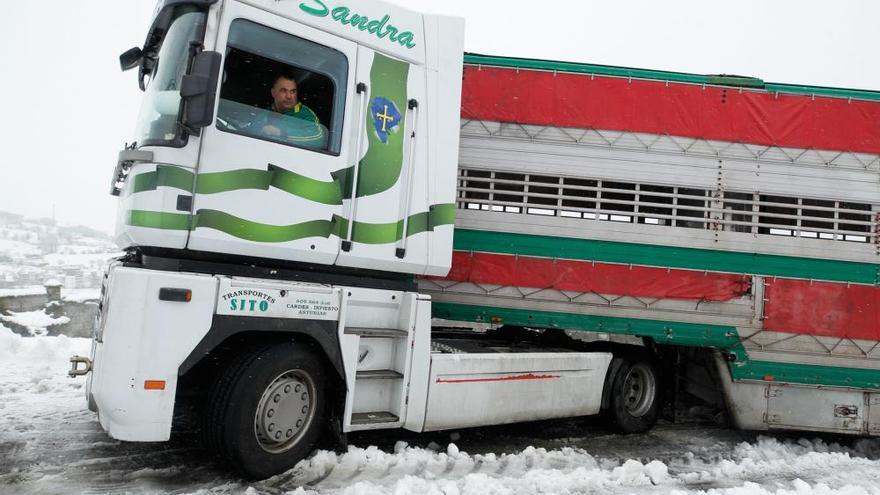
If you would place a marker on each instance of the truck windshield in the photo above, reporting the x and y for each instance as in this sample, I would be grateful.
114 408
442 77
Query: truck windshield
158 121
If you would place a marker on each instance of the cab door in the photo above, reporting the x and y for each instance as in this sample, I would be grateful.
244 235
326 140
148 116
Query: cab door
390 205
271 178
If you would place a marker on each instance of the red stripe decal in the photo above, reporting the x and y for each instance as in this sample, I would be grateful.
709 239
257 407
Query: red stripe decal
601 278
822 308
528 376
638 105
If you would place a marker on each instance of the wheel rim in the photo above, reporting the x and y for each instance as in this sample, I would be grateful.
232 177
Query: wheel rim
285 411
639 389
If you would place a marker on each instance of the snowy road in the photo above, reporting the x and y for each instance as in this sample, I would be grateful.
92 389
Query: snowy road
49 443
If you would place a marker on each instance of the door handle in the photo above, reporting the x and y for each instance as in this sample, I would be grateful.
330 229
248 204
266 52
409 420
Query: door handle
361 130
413 109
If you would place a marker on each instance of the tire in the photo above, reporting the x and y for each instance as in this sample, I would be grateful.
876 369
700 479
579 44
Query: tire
267 411
634 401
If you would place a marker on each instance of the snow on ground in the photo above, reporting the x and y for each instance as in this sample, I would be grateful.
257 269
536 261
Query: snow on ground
50 443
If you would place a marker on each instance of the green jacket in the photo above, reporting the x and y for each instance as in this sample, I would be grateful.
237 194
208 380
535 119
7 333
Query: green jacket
299 126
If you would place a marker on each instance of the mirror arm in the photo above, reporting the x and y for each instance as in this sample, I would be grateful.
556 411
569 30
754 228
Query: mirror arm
127 157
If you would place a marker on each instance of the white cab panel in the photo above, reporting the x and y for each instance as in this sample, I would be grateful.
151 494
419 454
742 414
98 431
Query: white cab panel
150 217
146 339
483 389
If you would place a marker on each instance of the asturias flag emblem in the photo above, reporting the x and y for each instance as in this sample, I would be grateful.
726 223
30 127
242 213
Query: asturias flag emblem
386 117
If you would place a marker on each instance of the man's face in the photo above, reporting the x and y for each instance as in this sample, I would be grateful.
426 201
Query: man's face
285 95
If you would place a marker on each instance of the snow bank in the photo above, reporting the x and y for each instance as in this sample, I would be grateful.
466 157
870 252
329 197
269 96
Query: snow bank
797 487
37 364
415 470
765 467
35 321
770 458
80 295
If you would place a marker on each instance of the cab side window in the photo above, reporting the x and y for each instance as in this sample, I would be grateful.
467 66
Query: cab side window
282 88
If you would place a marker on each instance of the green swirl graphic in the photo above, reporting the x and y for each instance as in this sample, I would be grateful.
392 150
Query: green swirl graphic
324 192
364 233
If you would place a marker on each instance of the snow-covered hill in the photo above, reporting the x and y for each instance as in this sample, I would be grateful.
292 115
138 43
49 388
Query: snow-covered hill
33 252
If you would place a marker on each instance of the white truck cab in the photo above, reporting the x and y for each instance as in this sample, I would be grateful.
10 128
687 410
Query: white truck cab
359 171
294 168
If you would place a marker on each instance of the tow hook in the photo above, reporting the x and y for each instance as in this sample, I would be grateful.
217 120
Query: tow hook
76 370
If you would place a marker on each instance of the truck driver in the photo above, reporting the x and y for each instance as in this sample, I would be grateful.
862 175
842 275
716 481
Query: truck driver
289 120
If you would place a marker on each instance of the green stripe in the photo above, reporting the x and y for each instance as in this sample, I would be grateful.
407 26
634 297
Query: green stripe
374 179
261 232
437 215
857 94
364 233
324 192
663 332
167 176
384 233
667 256
606 70
233 180
807 374
158 220
659 75
721 337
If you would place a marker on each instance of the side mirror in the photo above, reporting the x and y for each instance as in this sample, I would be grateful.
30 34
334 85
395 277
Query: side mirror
130 59
199 90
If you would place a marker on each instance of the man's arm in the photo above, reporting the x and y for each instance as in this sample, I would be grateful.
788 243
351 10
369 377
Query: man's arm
306 130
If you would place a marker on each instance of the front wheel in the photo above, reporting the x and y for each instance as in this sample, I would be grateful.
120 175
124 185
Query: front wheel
634 397
267 411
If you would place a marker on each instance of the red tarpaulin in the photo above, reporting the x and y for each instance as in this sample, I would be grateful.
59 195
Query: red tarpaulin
822 308
601 278
725 114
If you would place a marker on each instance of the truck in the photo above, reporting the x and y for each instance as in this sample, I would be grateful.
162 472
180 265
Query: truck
334 220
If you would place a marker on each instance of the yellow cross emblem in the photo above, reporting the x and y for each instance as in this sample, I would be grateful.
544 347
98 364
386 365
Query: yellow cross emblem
385 117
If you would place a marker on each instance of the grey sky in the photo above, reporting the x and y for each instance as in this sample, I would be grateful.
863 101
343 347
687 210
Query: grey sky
68 109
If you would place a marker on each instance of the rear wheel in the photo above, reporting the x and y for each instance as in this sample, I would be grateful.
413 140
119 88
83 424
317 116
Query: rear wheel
267 410
634 397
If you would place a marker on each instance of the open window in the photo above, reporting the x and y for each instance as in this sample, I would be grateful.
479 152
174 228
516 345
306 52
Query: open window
262 66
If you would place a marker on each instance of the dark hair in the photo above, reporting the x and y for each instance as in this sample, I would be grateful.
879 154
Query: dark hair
284 75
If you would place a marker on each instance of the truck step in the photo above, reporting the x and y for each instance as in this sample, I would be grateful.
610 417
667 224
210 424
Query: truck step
378 375
377 332
371 418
